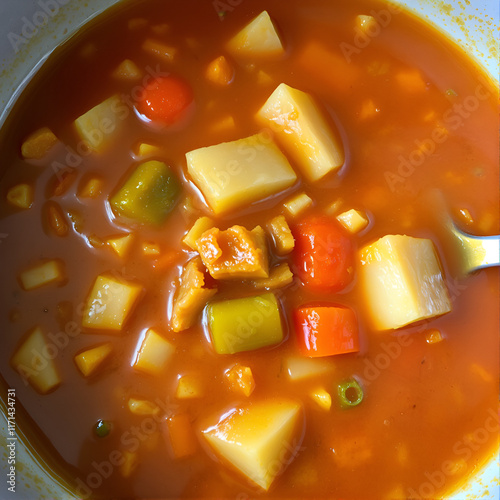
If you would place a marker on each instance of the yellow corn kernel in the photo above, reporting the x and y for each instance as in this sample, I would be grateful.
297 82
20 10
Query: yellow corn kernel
56 220
189 387
38 144
21 196
297 204
197 229
92 188
240 379
353 220
282 236
89 360
321 398
465 216
219 71
142 407
433 336
159 49
121 244
45 273
129 464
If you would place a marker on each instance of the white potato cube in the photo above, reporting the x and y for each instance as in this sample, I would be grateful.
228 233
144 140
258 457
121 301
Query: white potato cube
110 303
98 126
252 439
154 354
402 280
301 368
45 273
257 38
303 131
234 174
34 361
353 220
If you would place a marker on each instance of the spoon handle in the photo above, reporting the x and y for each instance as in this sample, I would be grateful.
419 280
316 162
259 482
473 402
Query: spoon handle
479 251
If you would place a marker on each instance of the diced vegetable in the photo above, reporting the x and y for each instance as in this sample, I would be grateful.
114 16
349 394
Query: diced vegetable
191 297
326 330
323 254
154 354
367 24
150 248
300 368
21 196
201 225
102 428
303 131
34 361
246 324
92 188
350 393
159 49
110 303
433 336
42 274
121 244
353 220
220 71
130 461
148 195
297 204
334 207
98 126
56 220
236 253
181 435
145 149
127 70
402 281
61 182
165 100
282 235
89 360
38 144
322 398
234 174
279 276
368 110
411 81
142 407
240 379
253 438
257 38
264 78
189 386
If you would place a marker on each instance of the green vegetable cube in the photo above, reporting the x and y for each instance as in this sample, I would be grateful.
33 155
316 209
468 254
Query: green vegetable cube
246 324
148 195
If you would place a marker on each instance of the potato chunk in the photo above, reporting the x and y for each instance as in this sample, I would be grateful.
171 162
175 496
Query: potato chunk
282 235
254 438
98 126
192 296
44 273
234 174
35 362
402 281
236 253
197 229
154 354
121 244
38 144
258 38
110 303
89 360
190 386
353 220
303 131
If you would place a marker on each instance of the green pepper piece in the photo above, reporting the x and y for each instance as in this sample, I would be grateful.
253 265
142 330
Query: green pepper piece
350 393
246 324
148 195
102 428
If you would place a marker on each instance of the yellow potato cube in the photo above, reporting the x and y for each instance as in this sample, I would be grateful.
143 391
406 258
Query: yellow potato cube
44 273
240 379
253 438
303 131
38 144
98 126
127 70
257 38
283 239
301 368
322 398
34 360
402 281
121 244
189 387
92 188
21 196
234 174
144 150
201 225
150 248
220 71
89 360
142 407
297 204
353 220
110 303
154 354
160 49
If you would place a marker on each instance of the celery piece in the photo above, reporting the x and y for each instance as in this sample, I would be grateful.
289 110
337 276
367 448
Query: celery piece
148 195
246 324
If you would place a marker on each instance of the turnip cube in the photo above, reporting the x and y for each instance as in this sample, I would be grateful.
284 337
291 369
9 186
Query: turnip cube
258 38
234 174
254 438
110 303
35 362
154 354
402 281
89 360
303 131
98 126
45 273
